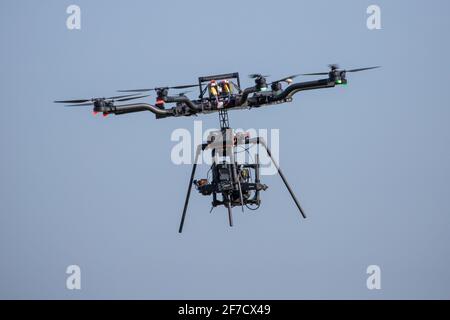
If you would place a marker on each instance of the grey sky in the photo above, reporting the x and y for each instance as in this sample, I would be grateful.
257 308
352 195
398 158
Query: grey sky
369 161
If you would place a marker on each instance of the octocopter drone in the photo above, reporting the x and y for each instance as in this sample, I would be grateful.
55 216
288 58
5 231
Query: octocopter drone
231 183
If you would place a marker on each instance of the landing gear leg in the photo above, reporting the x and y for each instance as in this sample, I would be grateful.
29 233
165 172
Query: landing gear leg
263 143
200 148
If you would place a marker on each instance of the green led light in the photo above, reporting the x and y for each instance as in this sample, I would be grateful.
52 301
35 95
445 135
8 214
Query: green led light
338 81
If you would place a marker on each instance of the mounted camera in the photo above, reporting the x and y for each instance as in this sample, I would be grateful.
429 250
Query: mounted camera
246 182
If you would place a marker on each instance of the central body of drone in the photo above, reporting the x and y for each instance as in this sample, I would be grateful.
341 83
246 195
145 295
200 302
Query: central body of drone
237 184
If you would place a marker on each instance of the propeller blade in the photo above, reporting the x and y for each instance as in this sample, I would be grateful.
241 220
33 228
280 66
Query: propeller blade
184 86
315 74
90 101
158 88
132 98
257 75
80 104
362 69
123 96
136 90
286 79
73 101
333 66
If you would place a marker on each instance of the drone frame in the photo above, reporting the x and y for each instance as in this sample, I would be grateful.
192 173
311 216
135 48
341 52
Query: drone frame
252 97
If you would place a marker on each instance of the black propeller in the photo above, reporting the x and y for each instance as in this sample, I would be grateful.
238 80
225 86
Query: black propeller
257 76
287 79
335 67
362 69
161 88
132 98
89 102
